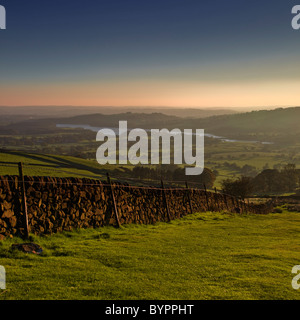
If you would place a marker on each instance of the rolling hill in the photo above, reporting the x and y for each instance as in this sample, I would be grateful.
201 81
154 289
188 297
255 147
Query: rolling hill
279 125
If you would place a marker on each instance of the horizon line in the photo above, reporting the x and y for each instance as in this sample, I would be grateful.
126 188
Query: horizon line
147 106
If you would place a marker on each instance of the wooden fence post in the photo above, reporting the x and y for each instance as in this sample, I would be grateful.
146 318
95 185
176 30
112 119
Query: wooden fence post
217 200
206 196
113 200
233 202
238 205
165 200
226 203
24 202
189 197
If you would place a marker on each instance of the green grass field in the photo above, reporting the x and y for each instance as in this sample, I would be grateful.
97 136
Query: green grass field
51 165
202 256
67 166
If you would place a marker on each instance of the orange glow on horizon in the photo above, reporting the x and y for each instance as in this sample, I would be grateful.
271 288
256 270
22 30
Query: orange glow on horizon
153 93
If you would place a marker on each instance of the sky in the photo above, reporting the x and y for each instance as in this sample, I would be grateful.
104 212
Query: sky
177 53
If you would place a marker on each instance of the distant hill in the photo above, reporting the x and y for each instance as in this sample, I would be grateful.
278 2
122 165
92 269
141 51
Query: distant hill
135 120
276 125
70 111
279 125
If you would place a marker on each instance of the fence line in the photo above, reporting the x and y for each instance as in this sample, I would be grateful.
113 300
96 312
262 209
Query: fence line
117 184
117 181
115 178
167 206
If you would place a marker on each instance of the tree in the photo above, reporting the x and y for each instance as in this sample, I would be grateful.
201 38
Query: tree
207 177
248 171
266 166
268 180
241 187
290 177
273 180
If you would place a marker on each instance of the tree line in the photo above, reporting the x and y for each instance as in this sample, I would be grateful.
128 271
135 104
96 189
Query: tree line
268 181
174 173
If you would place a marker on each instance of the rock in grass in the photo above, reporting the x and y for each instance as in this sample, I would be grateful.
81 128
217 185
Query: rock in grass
28 247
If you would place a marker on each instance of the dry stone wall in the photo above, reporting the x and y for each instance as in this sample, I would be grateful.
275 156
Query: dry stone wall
57 204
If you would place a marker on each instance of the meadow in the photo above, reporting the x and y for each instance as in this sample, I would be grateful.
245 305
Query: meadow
204 256
50 165
225 158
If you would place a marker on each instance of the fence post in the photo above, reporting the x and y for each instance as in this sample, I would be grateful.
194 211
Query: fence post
244 206
113 200
24 201
165 200
189 196
217 205
226 203
238 205
241 205
206 196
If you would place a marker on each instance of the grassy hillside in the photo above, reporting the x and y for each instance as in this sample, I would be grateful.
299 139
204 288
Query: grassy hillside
51 165
35 164
202 256
218 157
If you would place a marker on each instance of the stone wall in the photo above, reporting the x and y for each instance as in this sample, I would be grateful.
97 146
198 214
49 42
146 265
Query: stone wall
57 204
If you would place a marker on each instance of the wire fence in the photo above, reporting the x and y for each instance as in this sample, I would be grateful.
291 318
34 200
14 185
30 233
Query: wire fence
118 180
28 196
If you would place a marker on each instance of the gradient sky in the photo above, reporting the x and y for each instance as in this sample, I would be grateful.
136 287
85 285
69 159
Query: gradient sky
186 53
